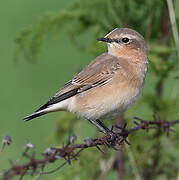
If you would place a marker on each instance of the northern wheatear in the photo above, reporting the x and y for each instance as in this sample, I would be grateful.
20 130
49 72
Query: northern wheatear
109 85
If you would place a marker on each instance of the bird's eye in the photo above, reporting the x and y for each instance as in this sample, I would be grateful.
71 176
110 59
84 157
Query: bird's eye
125 40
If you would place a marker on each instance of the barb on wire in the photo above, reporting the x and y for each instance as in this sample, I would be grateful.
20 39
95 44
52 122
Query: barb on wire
7 140
72 151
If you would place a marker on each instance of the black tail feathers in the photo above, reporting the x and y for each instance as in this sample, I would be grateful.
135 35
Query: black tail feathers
34 115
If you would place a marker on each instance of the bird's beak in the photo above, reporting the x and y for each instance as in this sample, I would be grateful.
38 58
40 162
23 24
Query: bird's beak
105 39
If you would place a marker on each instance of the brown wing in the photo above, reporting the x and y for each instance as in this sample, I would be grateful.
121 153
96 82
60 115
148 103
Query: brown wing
97 73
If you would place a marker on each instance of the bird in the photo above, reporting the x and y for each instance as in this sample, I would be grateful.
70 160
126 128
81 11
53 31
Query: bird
109 85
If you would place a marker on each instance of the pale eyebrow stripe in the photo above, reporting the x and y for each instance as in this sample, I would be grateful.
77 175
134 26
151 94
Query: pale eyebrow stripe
129 36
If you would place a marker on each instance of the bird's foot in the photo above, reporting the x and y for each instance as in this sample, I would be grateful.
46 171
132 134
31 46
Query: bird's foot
117 136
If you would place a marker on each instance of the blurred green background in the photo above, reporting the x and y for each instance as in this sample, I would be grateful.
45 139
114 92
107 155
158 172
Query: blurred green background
25 86
59 39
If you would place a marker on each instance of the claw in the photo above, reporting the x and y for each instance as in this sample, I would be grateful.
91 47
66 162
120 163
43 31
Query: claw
115 138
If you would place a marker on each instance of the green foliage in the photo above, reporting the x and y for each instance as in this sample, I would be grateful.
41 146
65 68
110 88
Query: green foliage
97 17
83 22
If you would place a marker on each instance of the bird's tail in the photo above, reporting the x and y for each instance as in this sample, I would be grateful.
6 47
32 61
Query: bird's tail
34 115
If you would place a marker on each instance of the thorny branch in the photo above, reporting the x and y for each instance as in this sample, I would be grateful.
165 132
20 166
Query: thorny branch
71 151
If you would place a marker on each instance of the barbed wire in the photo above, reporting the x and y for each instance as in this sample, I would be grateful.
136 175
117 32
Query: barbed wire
70 151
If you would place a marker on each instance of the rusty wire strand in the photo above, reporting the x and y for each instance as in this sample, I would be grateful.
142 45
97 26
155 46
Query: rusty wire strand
68 151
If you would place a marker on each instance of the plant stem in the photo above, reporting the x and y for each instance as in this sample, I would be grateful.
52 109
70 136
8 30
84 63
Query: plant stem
173 24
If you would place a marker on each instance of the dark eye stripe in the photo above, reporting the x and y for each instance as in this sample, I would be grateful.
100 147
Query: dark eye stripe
124 40
115 40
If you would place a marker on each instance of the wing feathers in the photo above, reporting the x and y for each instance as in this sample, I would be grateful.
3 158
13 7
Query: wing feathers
97 73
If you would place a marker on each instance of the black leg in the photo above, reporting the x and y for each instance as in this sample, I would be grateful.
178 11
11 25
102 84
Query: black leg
100 126
108 132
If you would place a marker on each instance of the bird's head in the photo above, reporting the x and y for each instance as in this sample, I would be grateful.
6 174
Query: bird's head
125 42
